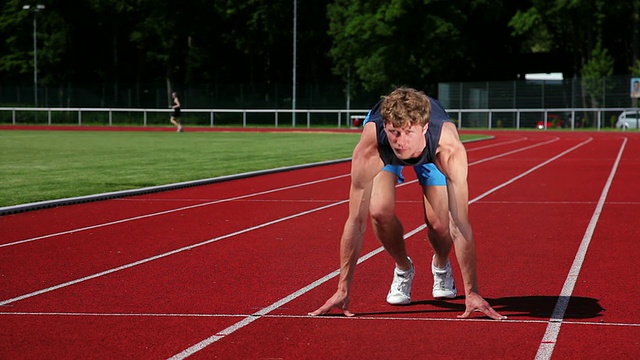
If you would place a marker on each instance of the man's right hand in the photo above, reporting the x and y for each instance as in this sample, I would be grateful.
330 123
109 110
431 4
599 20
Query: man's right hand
339 300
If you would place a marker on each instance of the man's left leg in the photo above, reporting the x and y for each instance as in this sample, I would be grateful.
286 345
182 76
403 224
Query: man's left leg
439 232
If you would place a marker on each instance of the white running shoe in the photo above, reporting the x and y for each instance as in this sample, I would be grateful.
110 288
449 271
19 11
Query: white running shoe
443 284
400 292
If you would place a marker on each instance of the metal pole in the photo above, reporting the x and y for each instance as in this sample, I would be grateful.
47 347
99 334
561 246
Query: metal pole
348 97
295 30
35 9
35 59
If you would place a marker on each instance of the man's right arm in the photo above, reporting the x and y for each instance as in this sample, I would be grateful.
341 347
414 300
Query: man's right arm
365 165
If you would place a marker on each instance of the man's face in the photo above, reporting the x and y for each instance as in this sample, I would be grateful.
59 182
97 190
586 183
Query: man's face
407 142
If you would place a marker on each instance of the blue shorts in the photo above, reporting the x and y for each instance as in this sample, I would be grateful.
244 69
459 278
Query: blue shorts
428 174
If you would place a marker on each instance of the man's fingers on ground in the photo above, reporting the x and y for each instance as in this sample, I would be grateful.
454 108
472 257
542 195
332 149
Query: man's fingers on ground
320 311
465 315
348 313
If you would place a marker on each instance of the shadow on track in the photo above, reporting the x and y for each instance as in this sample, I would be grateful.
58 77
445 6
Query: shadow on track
517 306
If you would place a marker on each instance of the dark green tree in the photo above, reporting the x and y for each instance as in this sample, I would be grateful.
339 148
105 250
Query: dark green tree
418 42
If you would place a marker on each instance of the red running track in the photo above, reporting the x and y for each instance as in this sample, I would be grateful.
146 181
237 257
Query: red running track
230 270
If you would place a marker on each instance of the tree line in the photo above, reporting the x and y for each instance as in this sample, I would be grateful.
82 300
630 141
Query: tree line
365 44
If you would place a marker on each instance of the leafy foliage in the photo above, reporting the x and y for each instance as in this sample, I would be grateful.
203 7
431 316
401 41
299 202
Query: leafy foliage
370 44
595 71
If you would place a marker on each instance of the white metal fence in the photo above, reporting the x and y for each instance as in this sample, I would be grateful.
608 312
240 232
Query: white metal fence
571 118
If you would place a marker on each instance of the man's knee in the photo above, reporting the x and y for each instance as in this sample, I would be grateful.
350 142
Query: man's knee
438 228
382 215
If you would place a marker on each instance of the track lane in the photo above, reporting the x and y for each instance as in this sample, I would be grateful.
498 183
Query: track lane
368 272
114 244
207 342
607 273
108 245
28 226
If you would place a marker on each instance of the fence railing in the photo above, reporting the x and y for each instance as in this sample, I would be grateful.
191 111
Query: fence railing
201 117
571 118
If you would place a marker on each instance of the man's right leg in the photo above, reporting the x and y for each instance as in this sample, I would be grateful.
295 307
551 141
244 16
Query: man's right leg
389 232
386 225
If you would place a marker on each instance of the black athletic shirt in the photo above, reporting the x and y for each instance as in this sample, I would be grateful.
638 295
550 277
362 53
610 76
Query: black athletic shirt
438 117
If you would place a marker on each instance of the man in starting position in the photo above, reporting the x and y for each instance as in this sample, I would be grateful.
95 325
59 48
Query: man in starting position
408 128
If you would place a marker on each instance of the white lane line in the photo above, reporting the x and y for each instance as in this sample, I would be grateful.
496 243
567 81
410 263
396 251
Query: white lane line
401 318
535 168
255 316
156 257
514 151
160 256
329 317
205 204
497 144
555 322
170 211
179 209
251 318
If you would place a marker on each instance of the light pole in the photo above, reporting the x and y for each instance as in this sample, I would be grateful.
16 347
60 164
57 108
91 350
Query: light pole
295 44
35 9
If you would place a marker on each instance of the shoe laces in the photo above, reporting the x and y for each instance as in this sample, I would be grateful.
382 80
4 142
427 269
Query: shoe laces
401 281
441 277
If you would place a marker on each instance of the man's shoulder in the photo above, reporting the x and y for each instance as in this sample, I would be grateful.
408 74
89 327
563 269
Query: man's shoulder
366 150
438 111
449 133
449 130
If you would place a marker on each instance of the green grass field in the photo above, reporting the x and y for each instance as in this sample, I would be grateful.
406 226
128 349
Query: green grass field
46 165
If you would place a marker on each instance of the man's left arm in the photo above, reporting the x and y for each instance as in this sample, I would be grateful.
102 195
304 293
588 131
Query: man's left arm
452 161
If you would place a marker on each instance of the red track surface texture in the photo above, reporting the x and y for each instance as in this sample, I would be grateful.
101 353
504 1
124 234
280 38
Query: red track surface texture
230 270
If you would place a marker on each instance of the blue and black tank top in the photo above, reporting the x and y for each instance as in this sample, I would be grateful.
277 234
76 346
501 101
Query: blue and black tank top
438 117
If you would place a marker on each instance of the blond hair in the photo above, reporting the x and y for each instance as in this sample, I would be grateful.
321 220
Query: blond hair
406 107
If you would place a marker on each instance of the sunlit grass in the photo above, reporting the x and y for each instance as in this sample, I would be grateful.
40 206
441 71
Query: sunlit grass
45 165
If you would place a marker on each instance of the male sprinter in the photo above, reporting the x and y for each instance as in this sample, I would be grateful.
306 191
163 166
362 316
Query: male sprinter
408 128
